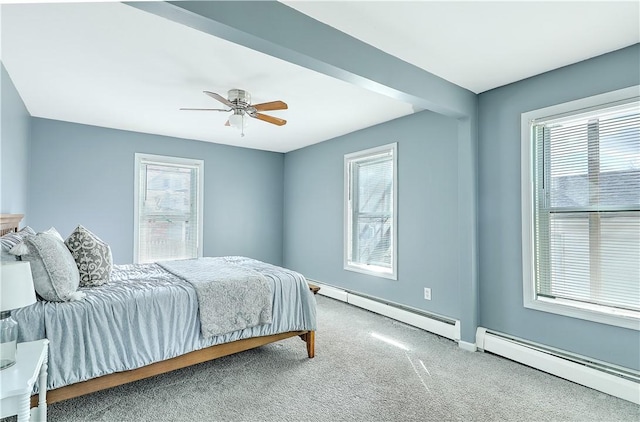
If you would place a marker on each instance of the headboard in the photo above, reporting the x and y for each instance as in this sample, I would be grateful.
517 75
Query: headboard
9 223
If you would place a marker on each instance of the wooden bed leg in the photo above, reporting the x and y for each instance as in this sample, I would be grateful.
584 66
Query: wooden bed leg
311 343
310 338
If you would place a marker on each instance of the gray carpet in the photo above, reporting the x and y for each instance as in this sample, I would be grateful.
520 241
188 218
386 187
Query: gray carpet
354 377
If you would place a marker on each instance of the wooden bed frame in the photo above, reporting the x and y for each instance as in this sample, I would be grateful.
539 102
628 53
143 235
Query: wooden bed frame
182 361
10 222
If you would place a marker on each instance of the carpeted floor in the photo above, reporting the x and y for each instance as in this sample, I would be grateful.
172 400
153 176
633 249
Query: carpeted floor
355 376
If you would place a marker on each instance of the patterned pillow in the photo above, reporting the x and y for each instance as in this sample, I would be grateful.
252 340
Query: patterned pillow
10 240
55 275
92 256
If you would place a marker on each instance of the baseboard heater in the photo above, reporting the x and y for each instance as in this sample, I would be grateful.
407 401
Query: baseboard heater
611 379
436 324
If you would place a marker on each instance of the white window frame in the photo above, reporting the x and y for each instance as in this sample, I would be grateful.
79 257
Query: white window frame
596 313
377 271
162 159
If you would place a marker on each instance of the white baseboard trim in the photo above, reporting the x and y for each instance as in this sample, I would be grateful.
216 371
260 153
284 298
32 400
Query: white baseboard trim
331 292
469 347
433 325
545 360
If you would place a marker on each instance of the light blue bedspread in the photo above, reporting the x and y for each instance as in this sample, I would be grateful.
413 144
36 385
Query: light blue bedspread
145 315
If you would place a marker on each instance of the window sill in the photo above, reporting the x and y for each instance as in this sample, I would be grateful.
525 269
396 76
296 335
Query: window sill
372 270
589 312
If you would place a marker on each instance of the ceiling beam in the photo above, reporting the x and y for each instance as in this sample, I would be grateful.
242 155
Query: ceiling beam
282 32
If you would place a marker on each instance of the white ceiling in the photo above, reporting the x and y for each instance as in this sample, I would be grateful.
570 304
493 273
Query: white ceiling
91 63
481 45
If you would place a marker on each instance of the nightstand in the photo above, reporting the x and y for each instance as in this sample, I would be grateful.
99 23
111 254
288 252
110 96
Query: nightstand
16 382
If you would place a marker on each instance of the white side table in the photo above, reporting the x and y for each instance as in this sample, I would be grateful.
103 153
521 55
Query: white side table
16 382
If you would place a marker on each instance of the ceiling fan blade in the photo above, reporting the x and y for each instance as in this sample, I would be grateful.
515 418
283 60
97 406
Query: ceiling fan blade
273 105
269 119
205 109
220 98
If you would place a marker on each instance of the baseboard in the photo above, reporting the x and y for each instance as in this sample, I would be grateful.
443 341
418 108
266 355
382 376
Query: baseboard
331 292
434 324
469 347
610 379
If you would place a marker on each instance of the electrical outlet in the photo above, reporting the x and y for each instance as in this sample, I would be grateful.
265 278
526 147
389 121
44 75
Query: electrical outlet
427 293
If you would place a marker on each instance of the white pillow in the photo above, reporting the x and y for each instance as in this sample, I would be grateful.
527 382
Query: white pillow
53 232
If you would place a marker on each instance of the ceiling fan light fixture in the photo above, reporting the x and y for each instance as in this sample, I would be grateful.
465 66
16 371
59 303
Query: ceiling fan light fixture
238 120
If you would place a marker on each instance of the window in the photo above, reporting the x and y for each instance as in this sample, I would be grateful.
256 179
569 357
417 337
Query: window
581 208
168 208
370 211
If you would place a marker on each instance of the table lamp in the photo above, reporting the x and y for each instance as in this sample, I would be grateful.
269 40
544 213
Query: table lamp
16 291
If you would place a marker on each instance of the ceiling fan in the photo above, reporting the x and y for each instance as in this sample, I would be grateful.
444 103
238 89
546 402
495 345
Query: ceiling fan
239 101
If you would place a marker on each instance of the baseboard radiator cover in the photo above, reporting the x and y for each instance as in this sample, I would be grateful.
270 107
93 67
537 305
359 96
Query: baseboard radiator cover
607 378
433 323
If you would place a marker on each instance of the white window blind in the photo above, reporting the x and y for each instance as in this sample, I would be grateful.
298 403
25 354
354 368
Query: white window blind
587 208
370 211
168 208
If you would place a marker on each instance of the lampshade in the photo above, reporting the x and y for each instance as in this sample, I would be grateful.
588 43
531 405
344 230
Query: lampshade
238 121
16 286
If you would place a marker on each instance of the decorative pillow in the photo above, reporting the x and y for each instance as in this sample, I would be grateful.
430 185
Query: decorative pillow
53 232
92 256
10 240
55 275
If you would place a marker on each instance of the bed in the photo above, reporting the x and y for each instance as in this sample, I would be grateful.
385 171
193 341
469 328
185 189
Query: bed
146 322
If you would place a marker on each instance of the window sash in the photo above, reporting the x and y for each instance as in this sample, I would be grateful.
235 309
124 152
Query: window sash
585 218
168 209
370 209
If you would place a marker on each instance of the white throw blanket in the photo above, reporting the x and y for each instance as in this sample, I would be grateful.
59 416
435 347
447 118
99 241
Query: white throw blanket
230 297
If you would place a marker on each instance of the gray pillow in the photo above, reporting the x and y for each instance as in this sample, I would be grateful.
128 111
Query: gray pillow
10 240
55 275
92 256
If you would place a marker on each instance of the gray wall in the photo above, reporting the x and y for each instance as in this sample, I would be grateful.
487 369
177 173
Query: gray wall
427 212
500 262
85 175
14 148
